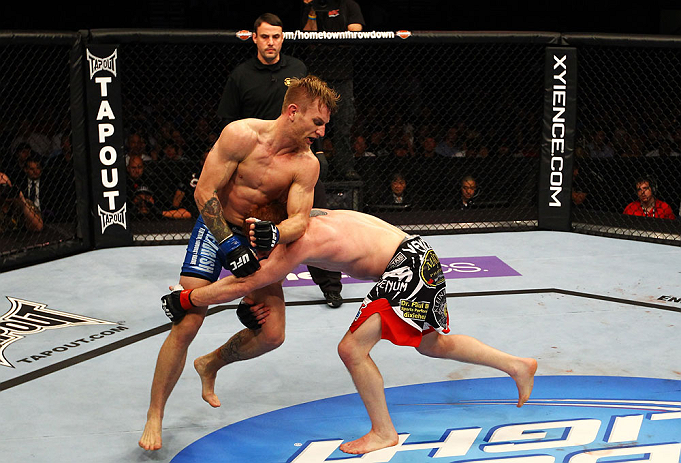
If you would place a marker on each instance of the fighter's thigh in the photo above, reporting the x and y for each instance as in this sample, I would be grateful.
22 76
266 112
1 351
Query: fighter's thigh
273 297
432 344
192 321
363 339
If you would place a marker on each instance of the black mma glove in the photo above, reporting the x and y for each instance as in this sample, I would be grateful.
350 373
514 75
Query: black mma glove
246 317
241 260
176 304
266 235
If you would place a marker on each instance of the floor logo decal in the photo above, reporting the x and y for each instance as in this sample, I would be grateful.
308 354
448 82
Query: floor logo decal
568 419
452 267
26 317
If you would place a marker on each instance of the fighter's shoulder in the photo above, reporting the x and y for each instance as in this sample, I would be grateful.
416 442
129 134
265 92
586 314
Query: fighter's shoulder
310 160
239 135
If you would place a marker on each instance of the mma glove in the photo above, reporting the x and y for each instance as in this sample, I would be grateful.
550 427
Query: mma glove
241 260
176 304
266 235
246 317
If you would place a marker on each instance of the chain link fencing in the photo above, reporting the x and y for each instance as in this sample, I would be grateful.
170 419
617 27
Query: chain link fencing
474 116
444 130
38 201
628 133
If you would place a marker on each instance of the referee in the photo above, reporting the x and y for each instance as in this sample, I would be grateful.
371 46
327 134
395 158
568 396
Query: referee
256 88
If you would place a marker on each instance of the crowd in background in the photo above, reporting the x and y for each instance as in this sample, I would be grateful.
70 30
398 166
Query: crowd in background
167 153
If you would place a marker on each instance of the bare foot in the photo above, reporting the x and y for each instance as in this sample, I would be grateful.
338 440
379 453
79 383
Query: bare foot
151 437
207 380
524 379
368 443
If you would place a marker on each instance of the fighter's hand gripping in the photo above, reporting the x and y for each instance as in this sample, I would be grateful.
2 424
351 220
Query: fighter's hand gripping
265 234
241 260
252 316
176 304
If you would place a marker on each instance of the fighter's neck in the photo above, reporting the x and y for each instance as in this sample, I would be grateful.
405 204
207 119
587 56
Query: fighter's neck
281 140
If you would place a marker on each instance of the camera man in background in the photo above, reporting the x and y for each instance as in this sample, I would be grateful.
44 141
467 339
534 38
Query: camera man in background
256 88
17 212
334 65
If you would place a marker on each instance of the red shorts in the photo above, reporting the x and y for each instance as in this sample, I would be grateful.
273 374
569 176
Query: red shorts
393 327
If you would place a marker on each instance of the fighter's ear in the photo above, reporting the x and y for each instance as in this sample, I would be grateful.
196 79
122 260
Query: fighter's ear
291 111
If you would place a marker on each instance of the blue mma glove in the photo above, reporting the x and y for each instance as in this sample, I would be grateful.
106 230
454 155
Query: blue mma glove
241 260
266 235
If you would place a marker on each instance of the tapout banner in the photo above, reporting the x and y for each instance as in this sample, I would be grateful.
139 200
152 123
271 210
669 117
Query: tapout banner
558 134
105 128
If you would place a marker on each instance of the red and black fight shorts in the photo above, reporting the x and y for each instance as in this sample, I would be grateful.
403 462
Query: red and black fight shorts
410 296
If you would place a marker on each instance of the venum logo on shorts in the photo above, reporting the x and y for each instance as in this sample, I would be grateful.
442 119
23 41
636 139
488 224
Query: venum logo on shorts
97 64
26 317
395 281
431 270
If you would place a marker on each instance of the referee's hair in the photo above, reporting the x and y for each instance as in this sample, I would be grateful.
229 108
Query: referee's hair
269 18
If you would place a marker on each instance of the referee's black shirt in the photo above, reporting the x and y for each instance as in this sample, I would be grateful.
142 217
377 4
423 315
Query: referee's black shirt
257 90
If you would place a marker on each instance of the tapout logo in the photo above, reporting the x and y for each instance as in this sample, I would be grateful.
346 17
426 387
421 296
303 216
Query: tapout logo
26 317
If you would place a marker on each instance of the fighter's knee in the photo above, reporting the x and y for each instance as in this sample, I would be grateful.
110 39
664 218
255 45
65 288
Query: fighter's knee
185 331
272 340
346 352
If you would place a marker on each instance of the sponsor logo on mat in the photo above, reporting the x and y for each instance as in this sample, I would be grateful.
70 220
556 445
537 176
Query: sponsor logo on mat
26 317
568 419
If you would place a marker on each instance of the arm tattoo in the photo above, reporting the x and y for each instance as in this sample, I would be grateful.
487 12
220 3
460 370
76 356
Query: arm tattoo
212 216
229 352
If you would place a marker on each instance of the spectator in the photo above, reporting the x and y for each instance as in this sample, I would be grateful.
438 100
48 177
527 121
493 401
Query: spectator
184 195
427 148
663 149
136 145
377 145
38 136
599 146
203 137
397 192
472 146
648 205
624 145
16 212
359 147
136 177
142 206
31 183
450 147
15 166
345 16
469 191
